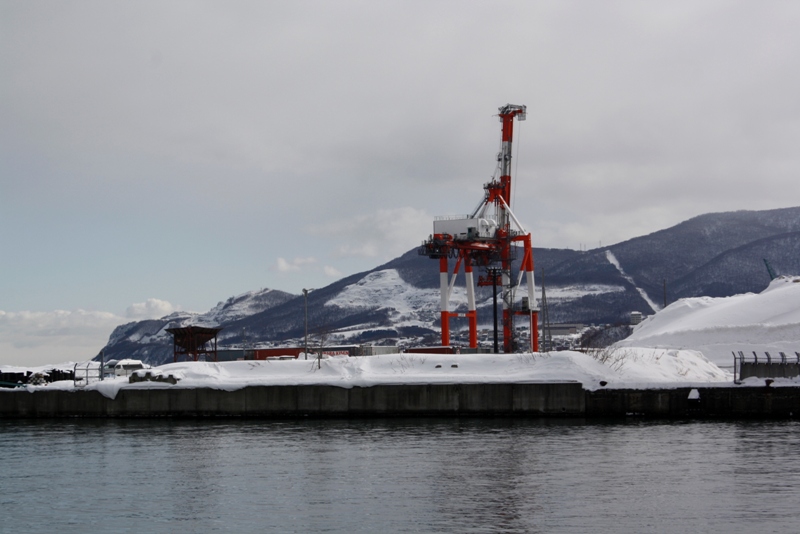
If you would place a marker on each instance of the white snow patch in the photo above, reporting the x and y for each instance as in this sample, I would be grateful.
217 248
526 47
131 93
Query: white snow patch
630 368
767 321
576 291
413 306
243 305
613 261
387 290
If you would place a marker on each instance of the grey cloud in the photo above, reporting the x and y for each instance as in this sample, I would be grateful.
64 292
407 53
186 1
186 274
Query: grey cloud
250 123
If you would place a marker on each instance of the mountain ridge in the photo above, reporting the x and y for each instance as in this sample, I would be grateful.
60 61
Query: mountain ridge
716 254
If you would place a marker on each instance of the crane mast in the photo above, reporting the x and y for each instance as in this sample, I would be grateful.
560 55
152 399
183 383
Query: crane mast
488 236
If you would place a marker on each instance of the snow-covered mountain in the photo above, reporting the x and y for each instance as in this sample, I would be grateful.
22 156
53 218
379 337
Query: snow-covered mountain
148 340
397 303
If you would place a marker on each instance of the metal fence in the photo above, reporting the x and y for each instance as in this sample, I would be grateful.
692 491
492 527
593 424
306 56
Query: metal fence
765 366
86 372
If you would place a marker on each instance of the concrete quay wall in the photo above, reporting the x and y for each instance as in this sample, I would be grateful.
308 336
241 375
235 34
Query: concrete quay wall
712 402
563 399
529 400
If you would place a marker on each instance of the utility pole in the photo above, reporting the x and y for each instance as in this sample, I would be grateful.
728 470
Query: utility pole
493 274
305 298
547 335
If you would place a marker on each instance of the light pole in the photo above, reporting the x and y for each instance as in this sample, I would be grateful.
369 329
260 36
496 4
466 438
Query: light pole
305 298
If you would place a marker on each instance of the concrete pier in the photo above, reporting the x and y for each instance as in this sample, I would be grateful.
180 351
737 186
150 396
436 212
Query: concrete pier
565 399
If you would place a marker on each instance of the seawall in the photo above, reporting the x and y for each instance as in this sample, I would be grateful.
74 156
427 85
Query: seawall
529 400
298 401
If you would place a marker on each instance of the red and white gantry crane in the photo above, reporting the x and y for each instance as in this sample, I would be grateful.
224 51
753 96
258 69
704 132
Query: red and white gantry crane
487 237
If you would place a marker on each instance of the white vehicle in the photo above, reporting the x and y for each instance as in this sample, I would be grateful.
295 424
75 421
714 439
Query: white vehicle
108 368
127 367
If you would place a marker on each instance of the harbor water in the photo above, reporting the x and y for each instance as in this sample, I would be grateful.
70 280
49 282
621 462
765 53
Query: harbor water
398 475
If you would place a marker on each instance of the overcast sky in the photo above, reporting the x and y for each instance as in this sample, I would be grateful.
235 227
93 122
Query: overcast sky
166 155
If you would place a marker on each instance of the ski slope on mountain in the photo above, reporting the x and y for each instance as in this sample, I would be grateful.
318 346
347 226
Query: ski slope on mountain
386 289
612 259
409 305
766 321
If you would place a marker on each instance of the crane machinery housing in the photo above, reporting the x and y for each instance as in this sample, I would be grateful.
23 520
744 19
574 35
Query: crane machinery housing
489 236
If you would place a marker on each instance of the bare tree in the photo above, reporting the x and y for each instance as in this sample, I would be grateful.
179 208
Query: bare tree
319 338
